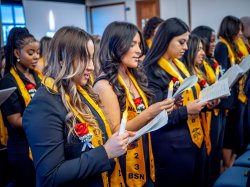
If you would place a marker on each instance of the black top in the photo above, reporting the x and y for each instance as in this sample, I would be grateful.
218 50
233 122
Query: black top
57 161
158 82
221 55
15 104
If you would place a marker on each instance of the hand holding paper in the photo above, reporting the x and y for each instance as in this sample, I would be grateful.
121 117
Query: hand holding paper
159 121
186 84
217 90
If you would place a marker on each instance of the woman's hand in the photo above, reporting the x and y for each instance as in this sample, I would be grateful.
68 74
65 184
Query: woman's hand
179 102
211 104
155 109
195 107
117 144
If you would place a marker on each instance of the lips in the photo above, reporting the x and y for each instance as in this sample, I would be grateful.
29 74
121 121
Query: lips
86 76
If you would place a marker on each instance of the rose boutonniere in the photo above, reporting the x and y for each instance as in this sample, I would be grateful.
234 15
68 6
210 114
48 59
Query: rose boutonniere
82 132
215 65
31 88
176 83
139 105
138 101
240 54
203 83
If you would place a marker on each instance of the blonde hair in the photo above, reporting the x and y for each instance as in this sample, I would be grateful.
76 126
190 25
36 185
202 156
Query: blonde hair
69 45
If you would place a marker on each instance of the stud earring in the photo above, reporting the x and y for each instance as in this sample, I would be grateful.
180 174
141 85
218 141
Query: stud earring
18 60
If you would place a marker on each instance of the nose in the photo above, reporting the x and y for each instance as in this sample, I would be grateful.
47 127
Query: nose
36 56
185 47
90 65
138 49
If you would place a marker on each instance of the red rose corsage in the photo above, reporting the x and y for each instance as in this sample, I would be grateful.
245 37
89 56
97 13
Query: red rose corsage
215 65
31 88
138 101
203 83
240 54
82 132
176 83
174 79
139 105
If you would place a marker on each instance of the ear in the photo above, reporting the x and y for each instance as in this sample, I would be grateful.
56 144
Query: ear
16 53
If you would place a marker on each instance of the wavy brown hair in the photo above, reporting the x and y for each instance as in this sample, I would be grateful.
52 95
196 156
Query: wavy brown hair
115 42
69 45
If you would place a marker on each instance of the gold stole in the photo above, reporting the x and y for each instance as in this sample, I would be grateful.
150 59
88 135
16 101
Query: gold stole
242 46
25 94
39 73
243 49
3 131
194 123
206 117
135 162
210 75
241 96
97 140
230 52
149 43
26 97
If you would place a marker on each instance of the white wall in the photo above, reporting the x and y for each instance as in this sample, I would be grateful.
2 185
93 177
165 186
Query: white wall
36 15
212 12
204 12
130 14
174 8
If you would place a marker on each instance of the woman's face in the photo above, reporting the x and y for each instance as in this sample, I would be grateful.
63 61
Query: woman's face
177 46
131 57
82 78
28 55
239 34
212 44
200 55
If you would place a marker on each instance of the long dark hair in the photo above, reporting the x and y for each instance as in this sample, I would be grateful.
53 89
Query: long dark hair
190 55
17 39
205 33
229 28
150 27
168 29
115 42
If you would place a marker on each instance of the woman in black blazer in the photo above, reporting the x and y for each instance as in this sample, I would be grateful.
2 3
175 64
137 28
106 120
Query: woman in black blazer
67 132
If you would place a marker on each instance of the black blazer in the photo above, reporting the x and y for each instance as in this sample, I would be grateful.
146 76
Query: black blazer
57 162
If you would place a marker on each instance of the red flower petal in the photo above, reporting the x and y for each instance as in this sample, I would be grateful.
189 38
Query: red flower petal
30 86
202 83
138 101
215 65
174 79
81 129
240 54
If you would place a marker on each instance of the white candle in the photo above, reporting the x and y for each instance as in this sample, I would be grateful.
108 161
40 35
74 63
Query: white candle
123 122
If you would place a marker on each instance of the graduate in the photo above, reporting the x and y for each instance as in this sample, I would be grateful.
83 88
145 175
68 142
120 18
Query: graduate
150 29
22 54
178 148
64 117
122 87
44 46
227 54
212 71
